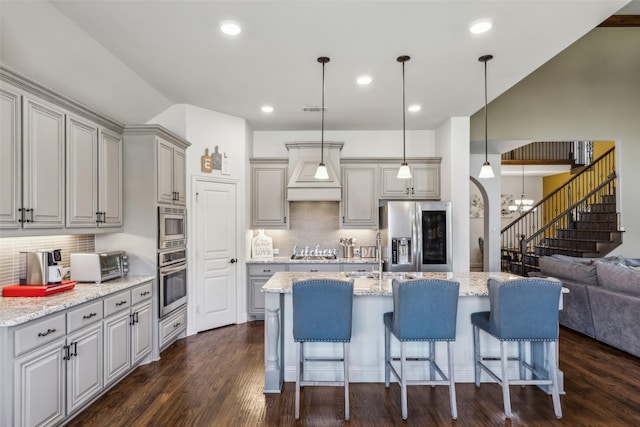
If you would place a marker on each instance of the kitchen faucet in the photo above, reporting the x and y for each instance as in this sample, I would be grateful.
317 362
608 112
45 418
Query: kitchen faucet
379 252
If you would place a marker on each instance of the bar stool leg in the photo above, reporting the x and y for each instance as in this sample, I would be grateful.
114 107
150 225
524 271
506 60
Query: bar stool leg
346 379
403 380
452 381
476 354
432 362
505 379
553 374
298 377
387 357
521 360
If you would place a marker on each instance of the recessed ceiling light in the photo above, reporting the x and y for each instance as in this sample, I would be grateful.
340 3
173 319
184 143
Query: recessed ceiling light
414 108
364 80
230 28
267 109
480 26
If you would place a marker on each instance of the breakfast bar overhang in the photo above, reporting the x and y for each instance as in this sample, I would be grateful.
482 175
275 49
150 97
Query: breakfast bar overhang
372 298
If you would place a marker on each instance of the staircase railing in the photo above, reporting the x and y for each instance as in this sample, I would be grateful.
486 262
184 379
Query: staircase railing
551 152
560 210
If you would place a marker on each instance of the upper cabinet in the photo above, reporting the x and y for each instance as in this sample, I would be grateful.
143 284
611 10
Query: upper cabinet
171 173
359 196
32 162
424 182
60 163
269 206
94 175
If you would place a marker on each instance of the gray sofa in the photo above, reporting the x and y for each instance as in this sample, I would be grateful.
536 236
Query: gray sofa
604 298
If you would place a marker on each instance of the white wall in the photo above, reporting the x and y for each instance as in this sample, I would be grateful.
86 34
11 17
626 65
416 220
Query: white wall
452 144
590 91
40 42
378 144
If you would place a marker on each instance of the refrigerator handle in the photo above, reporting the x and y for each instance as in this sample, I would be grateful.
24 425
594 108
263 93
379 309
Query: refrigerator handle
417 238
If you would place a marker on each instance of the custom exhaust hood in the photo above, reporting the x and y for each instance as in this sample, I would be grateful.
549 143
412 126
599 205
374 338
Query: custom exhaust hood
303 161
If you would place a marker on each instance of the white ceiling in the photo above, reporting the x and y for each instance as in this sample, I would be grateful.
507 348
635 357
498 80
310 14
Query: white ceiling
175 47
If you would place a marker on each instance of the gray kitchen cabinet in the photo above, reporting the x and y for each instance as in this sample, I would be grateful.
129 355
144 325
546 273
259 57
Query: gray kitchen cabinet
10 158
117 336
54 366
39 386
172 325
257 276
94 175
84 356
269 206
315 268
359 196
43 135
424 183
171 173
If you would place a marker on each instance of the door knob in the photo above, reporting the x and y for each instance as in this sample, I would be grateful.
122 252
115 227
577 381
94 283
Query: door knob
233 261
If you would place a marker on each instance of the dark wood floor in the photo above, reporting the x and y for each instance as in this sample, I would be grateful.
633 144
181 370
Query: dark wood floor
215 378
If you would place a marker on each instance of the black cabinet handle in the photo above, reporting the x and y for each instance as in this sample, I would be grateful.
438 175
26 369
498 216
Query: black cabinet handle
177 325
89 316
21 213
314 270
75 349
67 354
123 302
144 293
44 334
132 320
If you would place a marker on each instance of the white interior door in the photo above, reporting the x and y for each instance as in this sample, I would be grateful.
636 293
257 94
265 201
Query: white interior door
216 260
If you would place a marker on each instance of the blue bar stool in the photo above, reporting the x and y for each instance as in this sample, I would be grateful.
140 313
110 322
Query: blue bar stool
423 310
322 312
522 310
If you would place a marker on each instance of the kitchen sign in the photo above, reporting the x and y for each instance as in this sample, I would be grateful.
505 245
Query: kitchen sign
261 246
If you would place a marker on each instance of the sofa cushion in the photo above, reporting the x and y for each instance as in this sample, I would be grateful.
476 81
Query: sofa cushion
573 259
575 271
618 277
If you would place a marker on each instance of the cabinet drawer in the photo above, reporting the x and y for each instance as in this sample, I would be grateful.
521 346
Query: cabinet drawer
315 268
83 316
141 293
117 302
265 269
362 268
40 332
172 326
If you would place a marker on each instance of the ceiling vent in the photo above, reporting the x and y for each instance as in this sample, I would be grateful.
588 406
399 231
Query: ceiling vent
314 109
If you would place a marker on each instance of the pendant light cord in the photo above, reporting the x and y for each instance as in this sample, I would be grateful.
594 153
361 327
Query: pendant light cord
322 125
404 146
486 132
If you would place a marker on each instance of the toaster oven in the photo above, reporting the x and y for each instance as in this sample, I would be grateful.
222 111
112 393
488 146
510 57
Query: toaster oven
99 267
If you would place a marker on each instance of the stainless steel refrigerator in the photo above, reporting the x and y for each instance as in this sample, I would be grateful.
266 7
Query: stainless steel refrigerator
416 235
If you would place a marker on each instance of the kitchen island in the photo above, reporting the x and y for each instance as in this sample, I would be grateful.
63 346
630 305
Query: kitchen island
372 298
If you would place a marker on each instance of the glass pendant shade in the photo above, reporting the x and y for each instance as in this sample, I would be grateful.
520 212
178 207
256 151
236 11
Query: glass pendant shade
321 172
404 172
486 171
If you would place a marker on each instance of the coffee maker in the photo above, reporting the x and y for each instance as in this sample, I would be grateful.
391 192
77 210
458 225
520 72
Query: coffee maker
41 267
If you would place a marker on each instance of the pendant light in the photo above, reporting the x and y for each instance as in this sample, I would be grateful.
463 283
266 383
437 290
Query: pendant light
521 205
485 171
321 172
404 172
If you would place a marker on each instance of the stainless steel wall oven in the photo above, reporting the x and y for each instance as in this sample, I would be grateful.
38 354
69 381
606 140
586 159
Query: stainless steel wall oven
172 277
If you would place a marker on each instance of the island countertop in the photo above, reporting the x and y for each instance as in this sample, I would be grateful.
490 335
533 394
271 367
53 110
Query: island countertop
471 284
311 260
17 310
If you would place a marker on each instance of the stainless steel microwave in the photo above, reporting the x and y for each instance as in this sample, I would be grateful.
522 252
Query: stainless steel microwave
172 227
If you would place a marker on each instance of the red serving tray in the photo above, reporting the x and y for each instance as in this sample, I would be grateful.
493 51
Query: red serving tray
37 290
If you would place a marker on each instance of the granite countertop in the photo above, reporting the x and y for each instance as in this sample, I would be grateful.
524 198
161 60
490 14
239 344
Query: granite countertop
17 310
471 284
288 260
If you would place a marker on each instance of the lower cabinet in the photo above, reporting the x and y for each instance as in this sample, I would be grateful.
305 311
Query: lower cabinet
257 276
259 273
172 326
65 360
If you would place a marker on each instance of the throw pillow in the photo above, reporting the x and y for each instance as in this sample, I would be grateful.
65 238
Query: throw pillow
575 271
618 278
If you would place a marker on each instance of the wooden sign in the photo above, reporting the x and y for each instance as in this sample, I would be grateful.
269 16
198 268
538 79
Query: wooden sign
215 160
261 246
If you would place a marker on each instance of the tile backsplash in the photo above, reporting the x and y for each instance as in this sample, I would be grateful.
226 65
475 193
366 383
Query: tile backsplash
316 223
10 248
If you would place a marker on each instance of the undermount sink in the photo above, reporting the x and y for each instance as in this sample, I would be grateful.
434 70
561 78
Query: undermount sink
375 275
312 257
